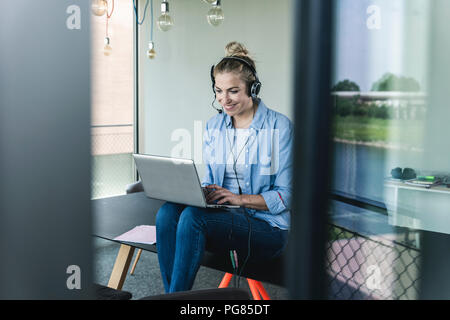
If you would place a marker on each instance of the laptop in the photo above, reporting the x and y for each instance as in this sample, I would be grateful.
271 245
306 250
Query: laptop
173 179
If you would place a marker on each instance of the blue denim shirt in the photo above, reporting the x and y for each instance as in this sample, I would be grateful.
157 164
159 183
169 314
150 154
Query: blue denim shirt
268 160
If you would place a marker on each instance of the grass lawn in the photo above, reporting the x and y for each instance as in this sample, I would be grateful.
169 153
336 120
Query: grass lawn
389 131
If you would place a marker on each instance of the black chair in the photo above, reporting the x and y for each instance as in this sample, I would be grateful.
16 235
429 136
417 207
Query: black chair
134 187
105 293
204 294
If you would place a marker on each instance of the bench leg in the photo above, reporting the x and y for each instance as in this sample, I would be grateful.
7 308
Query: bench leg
138 255
253 289
262 291
225 280
121 266
257 290
256 287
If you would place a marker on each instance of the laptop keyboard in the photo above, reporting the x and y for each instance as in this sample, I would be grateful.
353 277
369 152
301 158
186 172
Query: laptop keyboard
206 191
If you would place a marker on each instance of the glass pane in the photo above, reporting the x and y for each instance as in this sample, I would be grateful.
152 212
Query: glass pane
112 100
389 185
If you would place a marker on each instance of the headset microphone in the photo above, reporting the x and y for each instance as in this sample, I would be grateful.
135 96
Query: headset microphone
212 105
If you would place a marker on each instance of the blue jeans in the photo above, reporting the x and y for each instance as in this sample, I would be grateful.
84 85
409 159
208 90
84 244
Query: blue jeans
183 233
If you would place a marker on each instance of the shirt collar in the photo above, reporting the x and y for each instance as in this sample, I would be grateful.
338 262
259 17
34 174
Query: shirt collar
258 119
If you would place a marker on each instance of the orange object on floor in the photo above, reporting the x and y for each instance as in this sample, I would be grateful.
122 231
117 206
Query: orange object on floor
256 287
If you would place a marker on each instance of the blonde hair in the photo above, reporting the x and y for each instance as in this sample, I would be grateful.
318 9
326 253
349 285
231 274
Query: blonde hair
238 50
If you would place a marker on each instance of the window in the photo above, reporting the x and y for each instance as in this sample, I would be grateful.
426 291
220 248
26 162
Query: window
390 155
112 101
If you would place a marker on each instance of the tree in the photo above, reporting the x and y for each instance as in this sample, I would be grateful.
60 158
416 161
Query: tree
345 107
345 85
391 82
378 111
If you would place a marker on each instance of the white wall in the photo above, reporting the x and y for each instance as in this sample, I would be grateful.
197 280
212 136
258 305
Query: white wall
175 87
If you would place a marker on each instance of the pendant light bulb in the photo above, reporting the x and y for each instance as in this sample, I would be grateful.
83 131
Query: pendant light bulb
107 49
215 14
151 53
165 21
99 7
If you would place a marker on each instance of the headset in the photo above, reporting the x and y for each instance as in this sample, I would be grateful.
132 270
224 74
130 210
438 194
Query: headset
253 89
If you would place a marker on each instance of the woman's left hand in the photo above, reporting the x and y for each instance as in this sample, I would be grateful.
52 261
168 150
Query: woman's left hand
225 196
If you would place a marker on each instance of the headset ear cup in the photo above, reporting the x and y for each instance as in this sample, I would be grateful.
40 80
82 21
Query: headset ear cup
256 87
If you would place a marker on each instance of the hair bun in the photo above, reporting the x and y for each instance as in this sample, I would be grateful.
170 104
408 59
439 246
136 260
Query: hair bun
236 49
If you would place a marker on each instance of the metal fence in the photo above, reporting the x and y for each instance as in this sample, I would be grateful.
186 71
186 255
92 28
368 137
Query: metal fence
112 161
361 267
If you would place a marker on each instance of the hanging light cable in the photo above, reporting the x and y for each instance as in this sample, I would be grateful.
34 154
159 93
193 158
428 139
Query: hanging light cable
107 49
136 14
151 53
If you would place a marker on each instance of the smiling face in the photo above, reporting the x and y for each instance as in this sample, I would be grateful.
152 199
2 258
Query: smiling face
231 93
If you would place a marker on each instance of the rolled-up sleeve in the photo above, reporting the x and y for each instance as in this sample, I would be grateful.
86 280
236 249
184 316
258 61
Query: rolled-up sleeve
278 198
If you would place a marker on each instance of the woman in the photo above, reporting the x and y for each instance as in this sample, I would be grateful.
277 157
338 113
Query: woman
247 151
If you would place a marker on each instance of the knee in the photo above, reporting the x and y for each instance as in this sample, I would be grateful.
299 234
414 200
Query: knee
168 214
192 216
